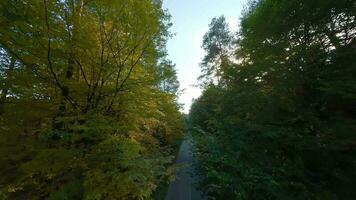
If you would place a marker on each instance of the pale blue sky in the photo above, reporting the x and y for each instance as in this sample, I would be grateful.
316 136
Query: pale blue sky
191 20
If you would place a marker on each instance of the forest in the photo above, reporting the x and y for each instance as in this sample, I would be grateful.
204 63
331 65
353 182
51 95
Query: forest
89 102
277 118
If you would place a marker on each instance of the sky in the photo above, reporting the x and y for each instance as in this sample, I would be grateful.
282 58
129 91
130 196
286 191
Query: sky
191 19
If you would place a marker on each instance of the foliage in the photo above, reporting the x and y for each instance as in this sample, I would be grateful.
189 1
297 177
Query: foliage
83 114
282 125
217 43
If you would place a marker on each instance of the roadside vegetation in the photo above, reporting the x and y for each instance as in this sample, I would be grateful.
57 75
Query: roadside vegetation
277 118
88 100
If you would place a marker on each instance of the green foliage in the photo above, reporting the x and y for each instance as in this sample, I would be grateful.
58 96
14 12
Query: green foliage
72 190
88 99
217 43
131 175
281 126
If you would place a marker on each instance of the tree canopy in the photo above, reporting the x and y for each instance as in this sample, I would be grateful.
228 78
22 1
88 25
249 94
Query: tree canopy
89 109
282 126
88 99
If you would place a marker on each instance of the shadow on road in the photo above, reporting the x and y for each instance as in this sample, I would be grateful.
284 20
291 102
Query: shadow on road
183 188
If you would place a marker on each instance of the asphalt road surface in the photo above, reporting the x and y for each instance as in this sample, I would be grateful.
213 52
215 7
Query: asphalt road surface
183 188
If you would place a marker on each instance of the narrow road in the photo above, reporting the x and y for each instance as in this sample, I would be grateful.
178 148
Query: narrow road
183 188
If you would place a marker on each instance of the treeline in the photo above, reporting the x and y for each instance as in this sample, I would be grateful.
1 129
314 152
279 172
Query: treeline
88 99
277 118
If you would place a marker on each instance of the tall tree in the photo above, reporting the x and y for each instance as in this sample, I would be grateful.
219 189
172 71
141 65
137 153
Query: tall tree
85 117
217 43
283 122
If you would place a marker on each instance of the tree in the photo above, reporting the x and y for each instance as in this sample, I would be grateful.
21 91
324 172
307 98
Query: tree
285 115
217 43
169 79
81 103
